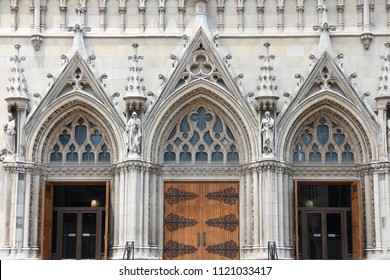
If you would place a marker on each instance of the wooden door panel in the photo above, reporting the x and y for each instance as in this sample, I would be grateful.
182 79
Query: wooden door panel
47 218
357 231
221 221
201 220
181 221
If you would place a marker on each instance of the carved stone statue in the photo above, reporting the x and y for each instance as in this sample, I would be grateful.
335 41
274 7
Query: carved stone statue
267 132
388 136
10 132
134 134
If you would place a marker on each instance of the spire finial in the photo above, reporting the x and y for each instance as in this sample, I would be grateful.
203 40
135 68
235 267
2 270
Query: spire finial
324 45
265 97
79 28
266 86
135 96
18 86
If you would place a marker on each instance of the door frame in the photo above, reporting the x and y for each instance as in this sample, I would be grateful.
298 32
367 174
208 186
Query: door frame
47 214
356 213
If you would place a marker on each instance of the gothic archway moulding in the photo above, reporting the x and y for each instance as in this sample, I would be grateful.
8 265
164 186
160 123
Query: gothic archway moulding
40 132
243 125
358 127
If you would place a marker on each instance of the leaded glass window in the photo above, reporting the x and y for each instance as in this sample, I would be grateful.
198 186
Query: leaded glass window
201 137
80 141
323 141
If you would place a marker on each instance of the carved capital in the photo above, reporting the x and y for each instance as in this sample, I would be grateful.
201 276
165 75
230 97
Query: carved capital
280 9
360 7
220 9
387 6
260 9
181 9
102 10
300 9
162 9
43 9
14 9
240 9
63 9
142 9
340 8
122 10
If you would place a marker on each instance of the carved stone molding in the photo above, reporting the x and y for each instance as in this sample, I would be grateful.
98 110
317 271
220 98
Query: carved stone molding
226 106
18 167
200 171
65 171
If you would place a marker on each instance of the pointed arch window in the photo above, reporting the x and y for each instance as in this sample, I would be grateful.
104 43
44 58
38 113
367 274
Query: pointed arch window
323 141
201 137
80 141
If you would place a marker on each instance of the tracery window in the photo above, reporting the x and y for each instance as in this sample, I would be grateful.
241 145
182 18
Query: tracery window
323 141
80 142
202 137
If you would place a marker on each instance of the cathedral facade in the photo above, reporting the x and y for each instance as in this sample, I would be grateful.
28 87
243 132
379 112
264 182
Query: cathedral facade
195 129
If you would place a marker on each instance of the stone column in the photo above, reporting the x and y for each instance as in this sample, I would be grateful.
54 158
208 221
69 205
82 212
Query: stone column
102 12
63 10
181 10
240 13
260 18
122 13
142 25
340 12
300 24
220 11
280 11
161 11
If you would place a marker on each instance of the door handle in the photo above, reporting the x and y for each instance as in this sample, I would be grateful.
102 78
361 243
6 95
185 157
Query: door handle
198 238
204 239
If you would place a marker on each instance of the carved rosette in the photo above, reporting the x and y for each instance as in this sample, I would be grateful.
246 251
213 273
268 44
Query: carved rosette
228 196
228 222
174 249
228 249
174 196
174 222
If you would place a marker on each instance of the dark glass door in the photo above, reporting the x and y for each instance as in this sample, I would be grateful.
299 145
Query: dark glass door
69 235
323 235
80 234
314 236
89 235
334 236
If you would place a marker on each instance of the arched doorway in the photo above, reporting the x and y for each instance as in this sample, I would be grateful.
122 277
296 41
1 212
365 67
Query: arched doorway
77 147
328 209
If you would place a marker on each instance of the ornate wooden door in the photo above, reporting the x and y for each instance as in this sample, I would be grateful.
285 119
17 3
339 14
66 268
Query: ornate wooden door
201 220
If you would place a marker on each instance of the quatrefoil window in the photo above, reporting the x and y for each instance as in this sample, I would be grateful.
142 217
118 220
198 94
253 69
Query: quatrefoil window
201 136
79 142
323 141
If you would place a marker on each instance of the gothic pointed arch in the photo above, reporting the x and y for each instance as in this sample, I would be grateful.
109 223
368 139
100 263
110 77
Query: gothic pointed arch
75 95
329 91
224 131
75 127
324 130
